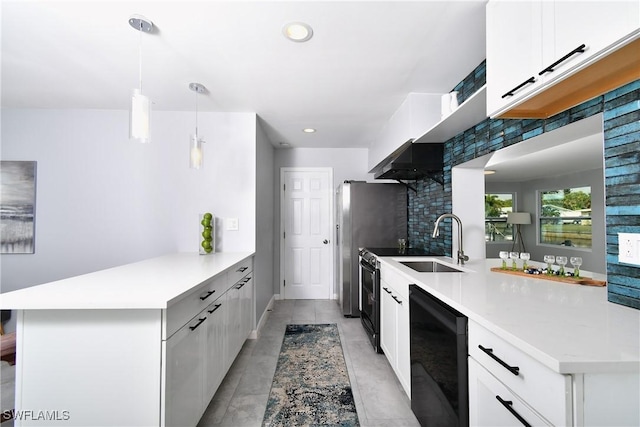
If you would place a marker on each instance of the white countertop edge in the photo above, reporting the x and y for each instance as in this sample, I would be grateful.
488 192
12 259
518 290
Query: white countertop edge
570 365
148 284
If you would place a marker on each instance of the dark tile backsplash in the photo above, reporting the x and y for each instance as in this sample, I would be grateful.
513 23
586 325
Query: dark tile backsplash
621 122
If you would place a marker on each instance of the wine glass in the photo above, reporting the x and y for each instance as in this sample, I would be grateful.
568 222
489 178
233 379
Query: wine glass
514 256
576 261
549 259
562 261
504 256
525 256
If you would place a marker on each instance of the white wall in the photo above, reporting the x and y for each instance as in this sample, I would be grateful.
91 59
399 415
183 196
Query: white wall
347 164
103 201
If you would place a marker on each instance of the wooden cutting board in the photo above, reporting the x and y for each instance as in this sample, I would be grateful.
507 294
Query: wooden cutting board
587 281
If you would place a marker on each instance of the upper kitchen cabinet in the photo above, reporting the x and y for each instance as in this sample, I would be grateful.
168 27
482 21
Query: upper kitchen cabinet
514 51
544 57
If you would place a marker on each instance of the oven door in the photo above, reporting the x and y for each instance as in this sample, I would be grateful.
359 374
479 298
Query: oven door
370 311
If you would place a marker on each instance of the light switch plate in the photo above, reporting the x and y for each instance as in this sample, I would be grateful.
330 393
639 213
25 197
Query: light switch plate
232 224
629 248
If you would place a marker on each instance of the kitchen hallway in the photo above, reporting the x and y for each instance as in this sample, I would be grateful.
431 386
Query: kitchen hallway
242 397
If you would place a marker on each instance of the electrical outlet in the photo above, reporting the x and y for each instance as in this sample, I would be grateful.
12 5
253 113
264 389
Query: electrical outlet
232 224
629 248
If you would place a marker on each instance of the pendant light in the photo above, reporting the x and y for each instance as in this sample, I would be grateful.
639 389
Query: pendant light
140 108
195 142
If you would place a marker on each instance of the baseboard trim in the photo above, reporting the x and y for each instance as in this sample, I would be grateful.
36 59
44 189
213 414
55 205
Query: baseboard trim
263 319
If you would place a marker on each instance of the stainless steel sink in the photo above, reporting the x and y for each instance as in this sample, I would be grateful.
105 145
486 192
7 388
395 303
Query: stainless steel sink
430 267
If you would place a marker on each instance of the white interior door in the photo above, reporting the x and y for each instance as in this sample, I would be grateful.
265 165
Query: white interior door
306 239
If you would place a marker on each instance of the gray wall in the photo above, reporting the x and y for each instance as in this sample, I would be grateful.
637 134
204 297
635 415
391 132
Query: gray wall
526 201
265 221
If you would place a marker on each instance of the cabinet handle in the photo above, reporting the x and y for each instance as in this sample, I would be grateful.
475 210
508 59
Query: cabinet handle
387 290
513 369
241 285
193 328
521 85
550 68
509 405
242 269
217 306
396 298
207 295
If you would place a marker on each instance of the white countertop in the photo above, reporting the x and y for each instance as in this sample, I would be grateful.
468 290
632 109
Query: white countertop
148 284
568 328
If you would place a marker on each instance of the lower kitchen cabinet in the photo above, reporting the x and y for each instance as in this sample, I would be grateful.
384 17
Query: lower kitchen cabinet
394 326
491 404
200 353
185 355
215 357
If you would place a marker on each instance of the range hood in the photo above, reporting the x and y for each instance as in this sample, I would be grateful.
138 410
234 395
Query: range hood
411 162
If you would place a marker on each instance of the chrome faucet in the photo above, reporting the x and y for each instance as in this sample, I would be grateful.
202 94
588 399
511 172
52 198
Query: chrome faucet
436 232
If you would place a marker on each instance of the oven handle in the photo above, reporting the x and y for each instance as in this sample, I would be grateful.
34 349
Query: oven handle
368 267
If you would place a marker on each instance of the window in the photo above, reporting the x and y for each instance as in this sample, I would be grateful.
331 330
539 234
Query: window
496 208
565 217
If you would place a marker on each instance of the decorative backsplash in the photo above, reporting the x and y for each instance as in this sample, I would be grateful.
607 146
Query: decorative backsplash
621 112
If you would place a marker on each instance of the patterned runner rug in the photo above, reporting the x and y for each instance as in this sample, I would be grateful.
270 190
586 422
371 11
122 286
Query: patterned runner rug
311 386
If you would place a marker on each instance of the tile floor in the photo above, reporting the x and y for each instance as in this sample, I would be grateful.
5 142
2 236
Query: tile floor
242 398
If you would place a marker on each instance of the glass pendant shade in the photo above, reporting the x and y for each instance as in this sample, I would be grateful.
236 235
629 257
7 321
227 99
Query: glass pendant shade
139 117
195 152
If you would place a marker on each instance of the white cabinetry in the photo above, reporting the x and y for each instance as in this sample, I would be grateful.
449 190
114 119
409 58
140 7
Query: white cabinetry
200 353
529 384
494 405
514 51
394 325
215 362
184 379
532 45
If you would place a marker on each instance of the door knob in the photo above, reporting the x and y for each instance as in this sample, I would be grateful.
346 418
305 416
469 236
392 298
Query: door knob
325 241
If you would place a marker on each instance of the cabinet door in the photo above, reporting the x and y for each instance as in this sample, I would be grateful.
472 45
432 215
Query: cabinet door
246 308
388 323
596 24
514 51
215 347
403 344
233 323
491 404
184 379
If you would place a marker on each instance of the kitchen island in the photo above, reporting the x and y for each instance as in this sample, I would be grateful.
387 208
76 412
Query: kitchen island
143 344
579 355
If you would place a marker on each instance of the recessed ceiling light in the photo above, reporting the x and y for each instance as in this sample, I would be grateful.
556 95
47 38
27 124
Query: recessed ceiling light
308 130
489 172
297 31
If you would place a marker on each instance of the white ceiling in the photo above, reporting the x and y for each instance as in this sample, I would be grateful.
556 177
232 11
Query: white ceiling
363 60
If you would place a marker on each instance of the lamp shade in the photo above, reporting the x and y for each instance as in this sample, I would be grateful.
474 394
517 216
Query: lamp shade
195 152
518 218
139 117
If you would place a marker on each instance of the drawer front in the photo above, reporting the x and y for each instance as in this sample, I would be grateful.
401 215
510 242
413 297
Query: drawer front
398 282
193 303
240 270
491 404
546 391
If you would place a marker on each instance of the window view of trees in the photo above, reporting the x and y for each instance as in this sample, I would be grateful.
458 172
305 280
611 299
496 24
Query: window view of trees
496 208
565 217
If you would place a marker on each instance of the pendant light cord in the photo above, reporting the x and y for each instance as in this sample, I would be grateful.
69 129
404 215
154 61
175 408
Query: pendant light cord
140 56
196 113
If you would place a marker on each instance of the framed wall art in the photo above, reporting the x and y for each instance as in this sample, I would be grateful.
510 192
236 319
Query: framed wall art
17 207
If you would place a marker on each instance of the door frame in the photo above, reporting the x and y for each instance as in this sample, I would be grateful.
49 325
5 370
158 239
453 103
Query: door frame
330 291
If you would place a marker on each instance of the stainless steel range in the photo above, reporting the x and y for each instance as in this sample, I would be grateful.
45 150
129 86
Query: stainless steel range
370 287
